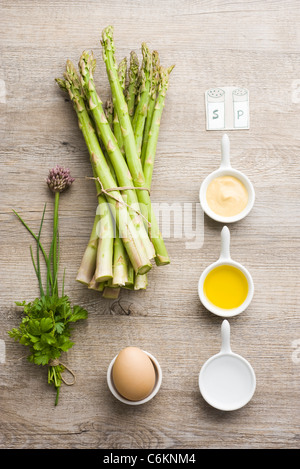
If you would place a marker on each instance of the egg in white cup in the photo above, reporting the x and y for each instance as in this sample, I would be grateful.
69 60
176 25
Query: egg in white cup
134 376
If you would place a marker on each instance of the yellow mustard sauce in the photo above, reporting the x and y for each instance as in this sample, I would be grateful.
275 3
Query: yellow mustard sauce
226 196
226 287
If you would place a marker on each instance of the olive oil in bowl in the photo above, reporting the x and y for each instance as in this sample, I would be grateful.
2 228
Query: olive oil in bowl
226 287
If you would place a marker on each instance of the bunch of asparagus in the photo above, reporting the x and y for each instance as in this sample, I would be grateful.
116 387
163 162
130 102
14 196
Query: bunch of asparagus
121 137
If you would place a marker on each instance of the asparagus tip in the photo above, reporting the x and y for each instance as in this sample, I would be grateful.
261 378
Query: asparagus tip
107 37
61 83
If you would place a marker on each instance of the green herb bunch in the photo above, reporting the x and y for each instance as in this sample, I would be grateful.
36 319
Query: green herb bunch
46 324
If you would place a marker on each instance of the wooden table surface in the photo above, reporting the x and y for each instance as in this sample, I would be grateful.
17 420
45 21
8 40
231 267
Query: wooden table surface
213 43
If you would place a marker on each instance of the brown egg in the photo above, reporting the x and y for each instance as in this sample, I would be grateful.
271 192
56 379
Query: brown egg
133 374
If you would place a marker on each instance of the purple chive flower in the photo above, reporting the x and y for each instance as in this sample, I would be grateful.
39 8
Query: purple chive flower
59 179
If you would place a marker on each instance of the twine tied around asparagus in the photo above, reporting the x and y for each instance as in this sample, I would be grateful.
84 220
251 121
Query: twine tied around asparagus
122 188
56 362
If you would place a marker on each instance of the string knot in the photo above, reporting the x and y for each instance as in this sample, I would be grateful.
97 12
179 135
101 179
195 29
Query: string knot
57 362
121 188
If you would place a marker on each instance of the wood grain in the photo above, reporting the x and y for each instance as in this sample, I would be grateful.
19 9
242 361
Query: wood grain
212 43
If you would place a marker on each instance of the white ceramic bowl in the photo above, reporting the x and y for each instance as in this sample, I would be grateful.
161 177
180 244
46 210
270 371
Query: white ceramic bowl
227 380
225 259
158 380
225 169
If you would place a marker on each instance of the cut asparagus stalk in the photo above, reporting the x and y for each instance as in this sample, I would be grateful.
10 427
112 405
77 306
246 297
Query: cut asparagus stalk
105 248
131 239
133 160
155 125
152 101
141 282
88 263
124 178
111 292
133 74
93 285
140 113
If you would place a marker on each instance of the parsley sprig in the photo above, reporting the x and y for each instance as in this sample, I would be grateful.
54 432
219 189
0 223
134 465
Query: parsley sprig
46 324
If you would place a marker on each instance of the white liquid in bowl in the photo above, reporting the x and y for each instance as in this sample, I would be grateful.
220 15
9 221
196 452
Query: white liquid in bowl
227 382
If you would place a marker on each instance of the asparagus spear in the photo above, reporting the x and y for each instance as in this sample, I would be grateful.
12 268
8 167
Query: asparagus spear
152 101
133 160
123 273
109 111
124 178
127 230
155 124
122 69
130 273
131 92
120 272
140 114
105 233
88 262
105 248
122 72
124 270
